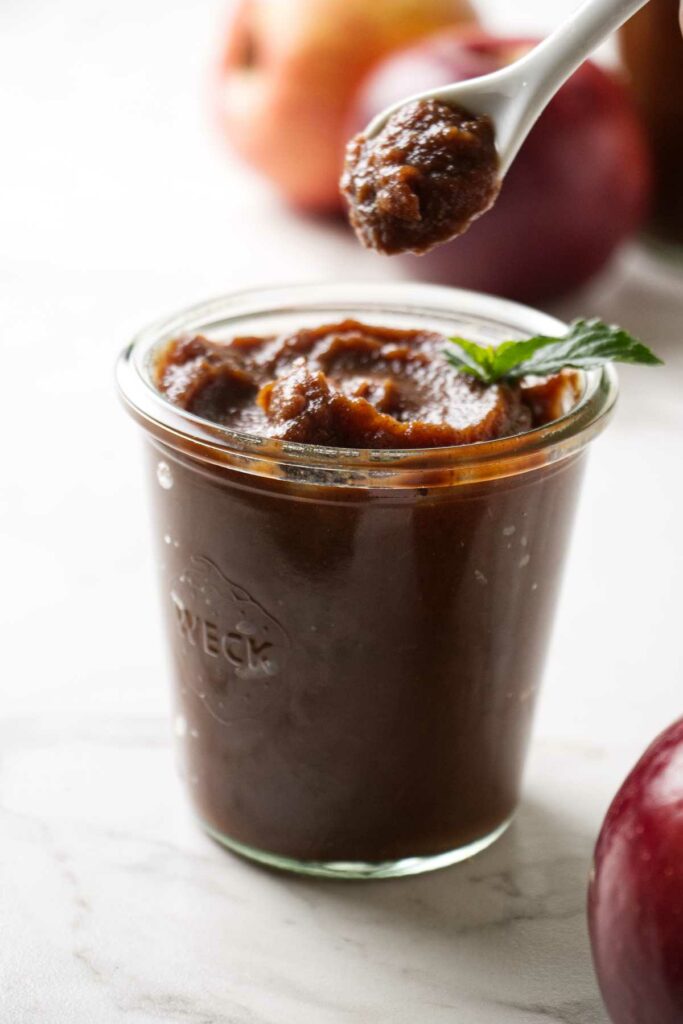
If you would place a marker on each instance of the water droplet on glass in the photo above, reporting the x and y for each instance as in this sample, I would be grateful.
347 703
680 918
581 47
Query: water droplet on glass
164 475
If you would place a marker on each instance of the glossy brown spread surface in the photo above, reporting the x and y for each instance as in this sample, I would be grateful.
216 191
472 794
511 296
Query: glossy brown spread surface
350 385
423 179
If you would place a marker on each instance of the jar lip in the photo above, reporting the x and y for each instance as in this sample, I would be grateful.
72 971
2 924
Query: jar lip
184 430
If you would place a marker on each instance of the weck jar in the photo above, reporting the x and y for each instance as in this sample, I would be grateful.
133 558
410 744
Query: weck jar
357 637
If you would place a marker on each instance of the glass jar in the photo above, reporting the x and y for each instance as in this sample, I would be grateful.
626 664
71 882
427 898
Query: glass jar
652 49
357 637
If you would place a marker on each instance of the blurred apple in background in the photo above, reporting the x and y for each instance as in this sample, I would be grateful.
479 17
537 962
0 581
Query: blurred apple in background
290 71
635 903
579 186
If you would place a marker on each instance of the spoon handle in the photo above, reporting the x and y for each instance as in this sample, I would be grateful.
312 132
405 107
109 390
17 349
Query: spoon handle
542 71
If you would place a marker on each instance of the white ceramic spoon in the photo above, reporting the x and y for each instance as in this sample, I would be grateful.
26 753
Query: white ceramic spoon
515 96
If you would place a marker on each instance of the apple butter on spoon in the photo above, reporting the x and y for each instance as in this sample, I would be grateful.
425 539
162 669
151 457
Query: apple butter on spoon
426 168
428 174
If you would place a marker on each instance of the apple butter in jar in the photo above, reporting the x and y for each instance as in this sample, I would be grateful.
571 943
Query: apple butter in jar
360 550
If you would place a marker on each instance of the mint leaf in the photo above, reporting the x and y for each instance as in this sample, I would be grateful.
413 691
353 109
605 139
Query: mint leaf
587 344
472 358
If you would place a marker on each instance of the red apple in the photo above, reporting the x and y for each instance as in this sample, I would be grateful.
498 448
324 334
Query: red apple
578 187
289 74
635 902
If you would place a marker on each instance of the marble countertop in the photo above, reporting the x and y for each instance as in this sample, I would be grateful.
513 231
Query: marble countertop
118 205
116 908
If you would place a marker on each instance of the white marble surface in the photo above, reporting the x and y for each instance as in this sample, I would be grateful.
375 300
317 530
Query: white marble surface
116 205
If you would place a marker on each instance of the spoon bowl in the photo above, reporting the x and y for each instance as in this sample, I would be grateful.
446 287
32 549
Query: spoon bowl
514 97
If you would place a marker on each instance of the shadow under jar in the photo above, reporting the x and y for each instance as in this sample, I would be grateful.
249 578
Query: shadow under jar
357 637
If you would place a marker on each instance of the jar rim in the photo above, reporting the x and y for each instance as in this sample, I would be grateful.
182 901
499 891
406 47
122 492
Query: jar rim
214 443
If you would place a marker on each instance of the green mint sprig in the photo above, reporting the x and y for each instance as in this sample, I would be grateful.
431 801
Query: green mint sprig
587 344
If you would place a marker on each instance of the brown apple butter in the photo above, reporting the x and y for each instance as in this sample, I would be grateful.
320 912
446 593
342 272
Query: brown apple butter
351 385
356 669
422 179
356 666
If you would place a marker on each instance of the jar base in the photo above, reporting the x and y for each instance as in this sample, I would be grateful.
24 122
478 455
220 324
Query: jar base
360 869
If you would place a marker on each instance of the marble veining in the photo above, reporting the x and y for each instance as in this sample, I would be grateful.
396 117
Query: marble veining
123 910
